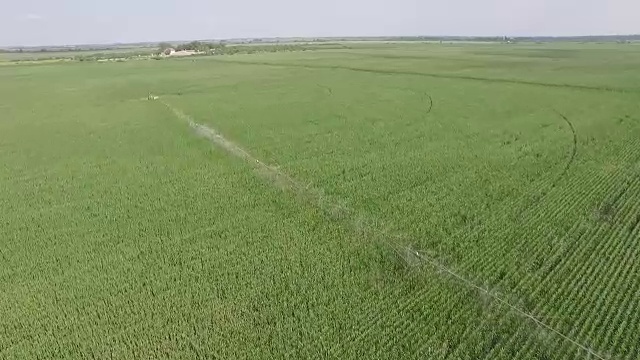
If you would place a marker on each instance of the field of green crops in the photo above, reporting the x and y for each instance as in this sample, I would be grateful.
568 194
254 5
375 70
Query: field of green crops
381 201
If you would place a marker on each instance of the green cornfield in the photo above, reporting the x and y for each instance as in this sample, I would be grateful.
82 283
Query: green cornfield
369 201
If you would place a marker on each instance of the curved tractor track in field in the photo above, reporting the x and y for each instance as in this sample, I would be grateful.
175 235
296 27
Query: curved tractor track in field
426 97
430 103
440 76
574 151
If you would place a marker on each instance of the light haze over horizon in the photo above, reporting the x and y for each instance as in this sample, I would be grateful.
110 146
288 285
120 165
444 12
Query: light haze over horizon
72 22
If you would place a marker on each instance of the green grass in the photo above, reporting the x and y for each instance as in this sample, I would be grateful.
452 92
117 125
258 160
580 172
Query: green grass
125 234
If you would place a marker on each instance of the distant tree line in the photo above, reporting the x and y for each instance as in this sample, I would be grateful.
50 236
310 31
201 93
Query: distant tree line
223 49
205 48
194 46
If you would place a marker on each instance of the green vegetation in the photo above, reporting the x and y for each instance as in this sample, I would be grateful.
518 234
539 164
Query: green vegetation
80 55
387 201
148 53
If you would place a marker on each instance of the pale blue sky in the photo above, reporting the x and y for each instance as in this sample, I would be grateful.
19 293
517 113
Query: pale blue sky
48 22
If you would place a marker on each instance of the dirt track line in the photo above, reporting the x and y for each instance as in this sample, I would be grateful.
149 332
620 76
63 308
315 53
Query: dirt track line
574 152
282 179
439 76
430 104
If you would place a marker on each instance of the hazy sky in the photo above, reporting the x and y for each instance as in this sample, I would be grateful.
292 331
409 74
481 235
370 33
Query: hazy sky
48 22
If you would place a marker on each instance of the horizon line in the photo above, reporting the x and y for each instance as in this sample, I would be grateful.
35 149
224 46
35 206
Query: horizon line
315 38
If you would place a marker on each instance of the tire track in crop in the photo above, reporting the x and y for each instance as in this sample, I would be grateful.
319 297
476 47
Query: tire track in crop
535 201
600 187
440 76
530 201
574 151
329 91
430 104
317 197
425 96
629 224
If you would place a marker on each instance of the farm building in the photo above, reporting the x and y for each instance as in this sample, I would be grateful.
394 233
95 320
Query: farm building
173 52
185 53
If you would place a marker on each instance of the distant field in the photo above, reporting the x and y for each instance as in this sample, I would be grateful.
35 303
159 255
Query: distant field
146 52
43 55
387 201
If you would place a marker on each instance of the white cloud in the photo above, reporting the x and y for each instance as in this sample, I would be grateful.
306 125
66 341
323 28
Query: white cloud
33 17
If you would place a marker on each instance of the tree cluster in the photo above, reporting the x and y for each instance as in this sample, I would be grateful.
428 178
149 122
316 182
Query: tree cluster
194 45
